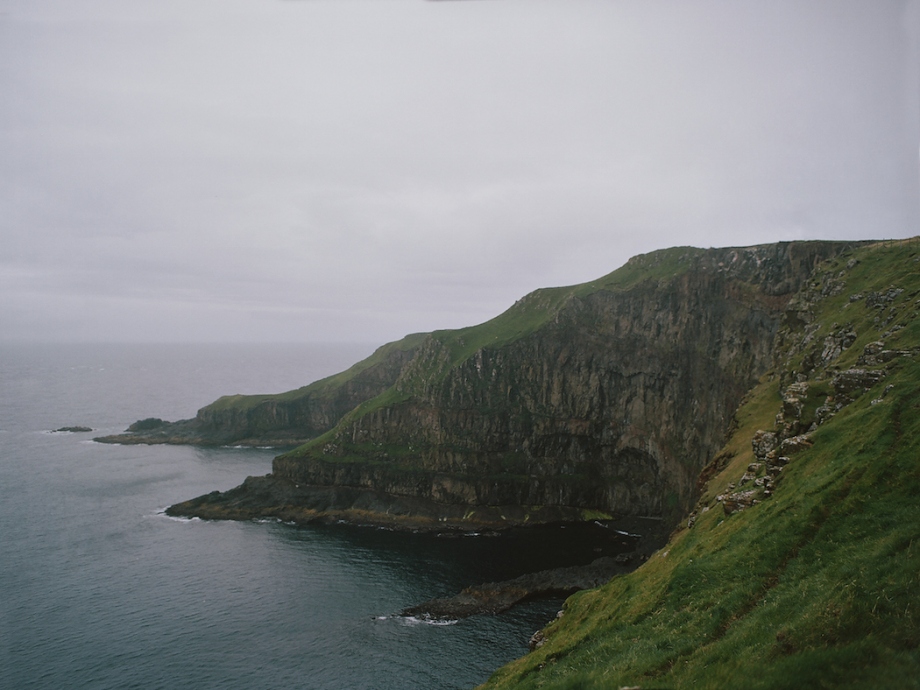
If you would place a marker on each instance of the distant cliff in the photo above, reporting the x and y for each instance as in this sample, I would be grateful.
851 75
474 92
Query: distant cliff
287 419
602 398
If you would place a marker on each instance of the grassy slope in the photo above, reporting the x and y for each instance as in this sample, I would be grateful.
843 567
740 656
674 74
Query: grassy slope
523 318
526 316
539 307
818 586
324 386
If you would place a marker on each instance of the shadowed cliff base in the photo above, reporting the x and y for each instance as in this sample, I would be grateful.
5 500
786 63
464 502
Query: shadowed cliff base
283 499
496 597
632 540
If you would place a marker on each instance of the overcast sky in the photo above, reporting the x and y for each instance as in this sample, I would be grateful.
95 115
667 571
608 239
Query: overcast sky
355 170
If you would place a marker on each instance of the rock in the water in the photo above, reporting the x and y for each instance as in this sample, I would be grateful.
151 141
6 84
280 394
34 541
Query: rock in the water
147 424
495 597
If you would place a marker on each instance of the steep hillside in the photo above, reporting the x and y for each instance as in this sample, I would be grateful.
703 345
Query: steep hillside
799 566
286 419
604 397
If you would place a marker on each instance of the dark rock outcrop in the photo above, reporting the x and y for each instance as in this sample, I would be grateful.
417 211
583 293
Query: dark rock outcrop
852 383
818 374
495 597
286 500
632 550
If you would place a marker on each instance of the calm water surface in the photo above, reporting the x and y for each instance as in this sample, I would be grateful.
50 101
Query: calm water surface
100 590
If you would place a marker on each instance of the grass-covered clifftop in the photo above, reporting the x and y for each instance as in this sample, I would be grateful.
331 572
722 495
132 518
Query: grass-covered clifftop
800 564
281 419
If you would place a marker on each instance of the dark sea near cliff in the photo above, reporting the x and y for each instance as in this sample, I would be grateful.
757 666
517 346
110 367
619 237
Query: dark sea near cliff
98 589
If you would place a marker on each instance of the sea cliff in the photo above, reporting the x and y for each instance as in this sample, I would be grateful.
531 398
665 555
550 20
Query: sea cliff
603 398
797 565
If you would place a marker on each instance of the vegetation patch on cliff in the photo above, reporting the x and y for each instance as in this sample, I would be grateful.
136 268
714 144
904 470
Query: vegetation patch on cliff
323 387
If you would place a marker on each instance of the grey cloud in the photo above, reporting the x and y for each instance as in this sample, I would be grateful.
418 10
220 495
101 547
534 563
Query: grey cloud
334 170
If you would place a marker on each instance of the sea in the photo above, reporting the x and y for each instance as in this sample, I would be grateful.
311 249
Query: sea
100 589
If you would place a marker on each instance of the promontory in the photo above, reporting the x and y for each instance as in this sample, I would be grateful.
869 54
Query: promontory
605 398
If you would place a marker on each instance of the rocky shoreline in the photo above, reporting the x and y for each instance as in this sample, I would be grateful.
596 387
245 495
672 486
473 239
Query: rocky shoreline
609 397
496 597
492 598
269 497
274 497
190 432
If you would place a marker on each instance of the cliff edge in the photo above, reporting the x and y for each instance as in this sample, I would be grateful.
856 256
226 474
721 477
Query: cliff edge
797 566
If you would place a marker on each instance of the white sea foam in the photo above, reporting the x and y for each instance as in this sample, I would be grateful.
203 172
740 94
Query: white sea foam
413 620
617 531
176 518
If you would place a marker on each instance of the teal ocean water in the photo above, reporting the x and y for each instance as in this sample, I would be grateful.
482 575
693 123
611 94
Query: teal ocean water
98 589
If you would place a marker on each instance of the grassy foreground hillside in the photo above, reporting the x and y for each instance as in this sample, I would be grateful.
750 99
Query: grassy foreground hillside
800 565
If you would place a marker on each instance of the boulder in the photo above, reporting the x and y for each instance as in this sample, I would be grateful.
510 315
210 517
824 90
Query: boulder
795 444
537 640
763 442
852 383
147 424
738 501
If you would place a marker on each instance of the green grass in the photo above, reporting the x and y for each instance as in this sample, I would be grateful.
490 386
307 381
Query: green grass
526 316
452 347
659 265
326 386
816 587
539 308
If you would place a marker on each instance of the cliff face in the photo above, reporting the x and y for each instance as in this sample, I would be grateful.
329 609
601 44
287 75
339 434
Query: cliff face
799 557
609 396
303 416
